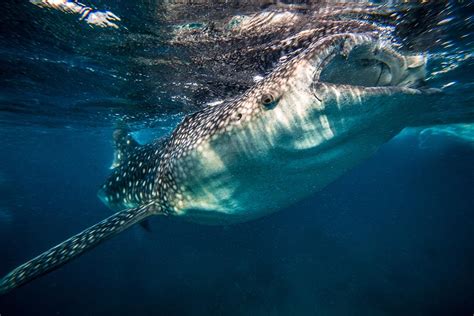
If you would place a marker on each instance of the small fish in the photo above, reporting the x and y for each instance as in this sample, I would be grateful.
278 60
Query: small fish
312 118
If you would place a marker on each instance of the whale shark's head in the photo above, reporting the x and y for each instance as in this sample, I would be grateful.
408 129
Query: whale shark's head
338 84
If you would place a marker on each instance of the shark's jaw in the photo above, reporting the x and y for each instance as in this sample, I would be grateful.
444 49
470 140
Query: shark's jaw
315 125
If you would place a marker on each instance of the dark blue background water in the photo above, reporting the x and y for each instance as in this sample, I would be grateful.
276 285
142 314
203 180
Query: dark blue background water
392 237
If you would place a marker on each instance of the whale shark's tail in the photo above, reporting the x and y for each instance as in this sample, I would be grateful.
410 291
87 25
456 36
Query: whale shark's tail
75 246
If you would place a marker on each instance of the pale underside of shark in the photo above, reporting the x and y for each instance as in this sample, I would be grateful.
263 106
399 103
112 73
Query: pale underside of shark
312 118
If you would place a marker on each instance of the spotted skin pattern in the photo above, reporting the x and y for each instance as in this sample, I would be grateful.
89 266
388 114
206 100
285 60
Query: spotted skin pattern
74 246
132 180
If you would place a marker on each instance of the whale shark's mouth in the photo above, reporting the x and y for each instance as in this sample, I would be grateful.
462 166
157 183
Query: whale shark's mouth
372 65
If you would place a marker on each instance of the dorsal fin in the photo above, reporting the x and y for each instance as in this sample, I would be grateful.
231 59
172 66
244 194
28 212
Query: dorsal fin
124 143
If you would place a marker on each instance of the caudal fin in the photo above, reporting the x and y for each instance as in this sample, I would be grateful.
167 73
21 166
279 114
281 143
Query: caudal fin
74 246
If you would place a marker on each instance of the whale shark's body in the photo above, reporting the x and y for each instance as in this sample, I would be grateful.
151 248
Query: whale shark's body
242 159
317 114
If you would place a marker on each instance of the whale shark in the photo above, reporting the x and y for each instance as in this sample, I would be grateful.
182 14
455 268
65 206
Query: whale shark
312 118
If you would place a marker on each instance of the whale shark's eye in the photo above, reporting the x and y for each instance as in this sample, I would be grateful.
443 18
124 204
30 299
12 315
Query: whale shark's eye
268 100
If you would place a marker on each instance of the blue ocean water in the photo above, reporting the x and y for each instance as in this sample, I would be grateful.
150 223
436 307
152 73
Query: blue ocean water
393 236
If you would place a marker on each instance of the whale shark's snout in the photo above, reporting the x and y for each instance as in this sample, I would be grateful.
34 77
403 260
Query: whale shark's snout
374 63
355 69
374 66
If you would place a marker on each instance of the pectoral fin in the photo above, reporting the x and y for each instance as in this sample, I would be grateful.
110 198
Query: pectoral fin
75 246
